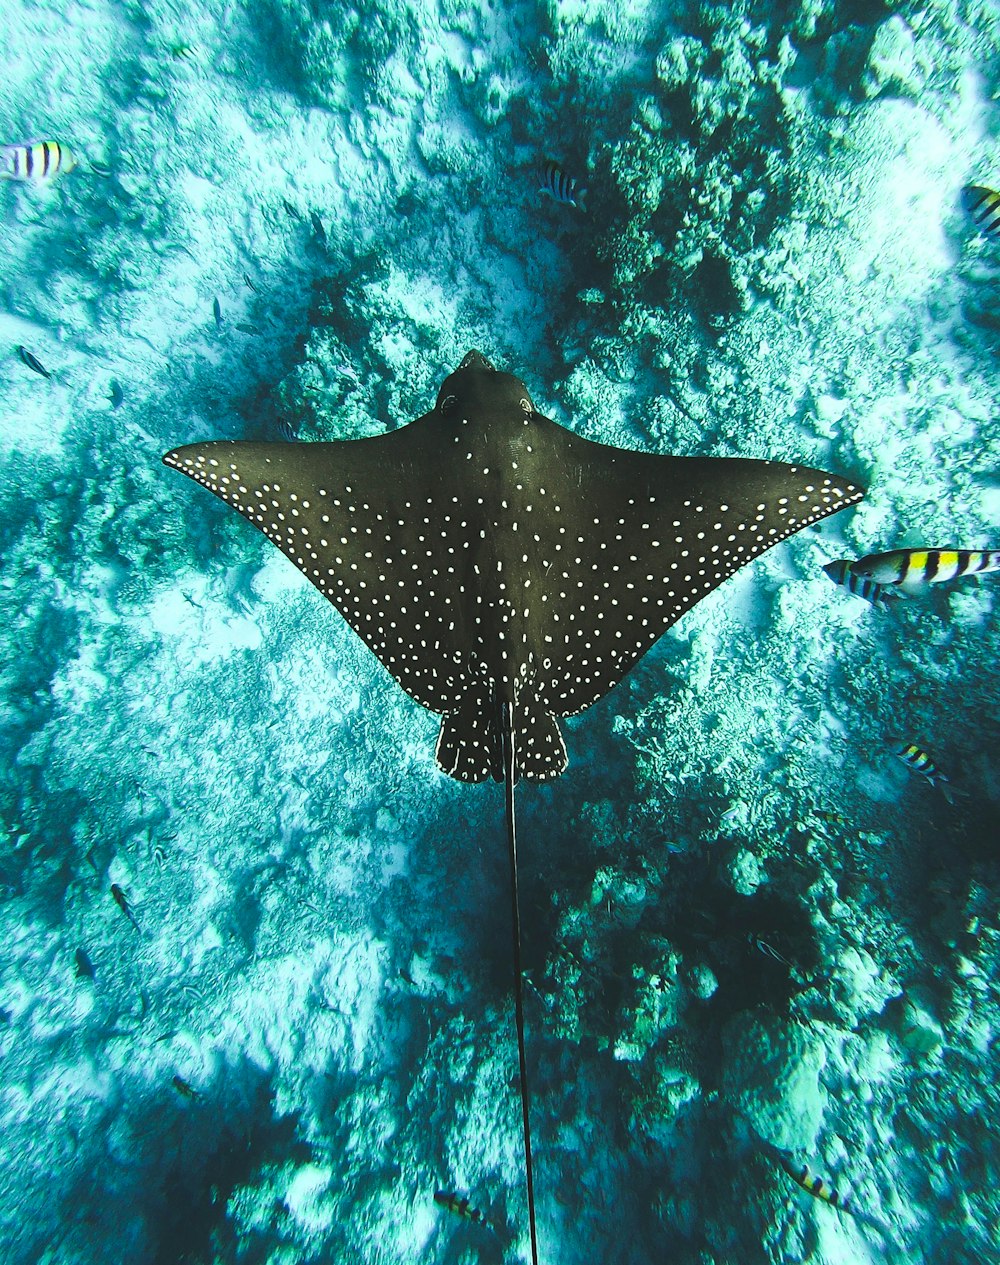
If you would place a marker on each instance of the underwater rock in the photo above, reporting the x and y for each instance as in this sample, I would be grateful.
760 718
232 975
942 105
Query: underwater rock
664 1088
658 1002
744 872
702 981
772 1076
918 1030
892 59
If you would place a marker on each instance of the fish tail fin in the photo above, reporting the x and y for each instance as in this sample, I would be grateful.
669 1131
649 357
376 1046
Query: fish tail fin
581 199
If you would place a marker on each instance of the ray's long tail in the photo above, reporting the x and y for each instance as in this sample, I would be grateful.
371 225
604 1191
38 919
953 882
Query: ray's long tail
507 730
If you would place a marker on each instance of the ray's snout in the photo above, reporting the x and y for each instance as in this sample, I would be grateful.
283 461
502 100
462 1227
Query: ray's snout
475 360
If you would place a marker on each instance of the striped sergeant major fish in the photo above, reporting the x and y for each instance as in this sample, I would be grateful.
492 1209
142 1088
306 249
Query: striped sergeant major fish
562 188
913 570
35 162
829 818
982 206
840 573
461 1207
818 1187
917 759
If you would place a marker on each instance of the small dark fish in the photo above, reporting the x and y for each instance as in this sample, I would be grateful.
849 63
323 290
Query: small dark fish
562 188
117 396
32 362
217 313
246 278
317 227
84 966
769 950
121 900
244 328
460 1207
293 212
982 205
191 602
184 1089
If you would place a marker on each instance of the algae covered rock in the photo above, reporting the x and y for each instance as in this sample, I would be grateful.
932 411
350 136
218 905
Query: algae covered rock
657 1001
773 1076
892 59
744 872
918 1030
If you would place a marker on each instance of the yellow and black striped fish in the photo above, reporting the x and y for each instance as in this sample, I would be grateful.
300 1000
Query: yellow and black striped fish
562 188
461 1207
917 759
914 570
35 162
982 205
818 1187
829 818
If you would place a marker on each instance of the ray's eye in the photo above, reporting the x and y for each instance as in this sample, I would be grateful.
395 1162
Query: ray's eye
525 404
448 403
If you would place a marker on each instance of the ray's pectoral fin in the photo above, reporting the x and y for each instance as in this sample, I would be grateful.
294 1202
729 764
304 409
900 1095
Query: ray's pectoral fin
469 745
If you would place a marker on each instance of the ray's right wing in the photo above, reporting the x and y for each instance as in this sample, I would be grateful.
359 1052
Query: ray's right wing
644 538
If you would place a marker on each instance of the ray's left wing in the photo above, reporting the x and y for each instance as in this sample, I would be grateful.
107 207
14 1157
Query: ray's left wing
355 517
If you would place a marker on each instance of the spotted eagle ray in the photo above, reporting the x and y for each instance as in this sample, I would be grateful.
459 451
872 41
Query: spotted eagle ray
505 571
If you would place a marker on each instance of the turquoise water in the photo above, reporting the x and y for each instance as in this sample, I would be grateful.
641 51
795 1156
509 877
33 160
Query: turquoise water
753 939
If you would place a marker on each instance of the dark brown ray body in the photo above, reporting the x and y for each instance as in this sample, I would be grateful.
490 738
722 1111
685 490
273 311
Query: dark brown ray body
487 555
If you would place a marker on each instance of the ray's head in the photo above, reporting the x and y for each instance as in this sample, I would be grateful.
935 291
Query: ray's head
477 389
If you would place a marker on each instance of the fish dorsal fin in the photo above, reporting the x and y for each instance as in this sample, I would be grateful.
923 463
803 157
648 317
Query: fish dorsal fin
485 553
